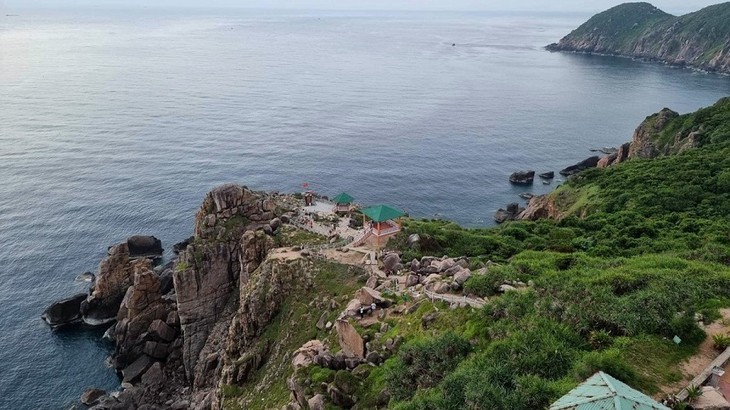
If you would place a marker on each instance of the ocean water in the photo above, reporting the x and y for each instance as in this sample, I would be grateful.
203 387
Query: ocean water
114 123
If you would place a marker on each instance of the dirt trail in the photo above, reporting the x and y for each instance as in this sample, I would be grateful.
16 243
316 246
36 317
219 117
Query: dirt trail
706 354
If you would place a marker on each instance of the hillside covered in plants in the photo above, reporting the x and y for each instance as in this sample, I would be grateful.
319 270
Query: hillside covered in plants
700 39
640 254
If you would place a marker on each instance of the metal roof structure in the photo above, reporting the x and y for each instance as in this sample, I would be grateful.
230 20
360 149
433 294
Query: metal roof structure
603 392
343 199
382 213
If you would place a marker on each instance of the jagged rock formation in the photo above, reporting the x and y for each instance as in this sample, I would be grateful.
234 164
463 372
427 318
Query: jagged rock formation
699 40
115 276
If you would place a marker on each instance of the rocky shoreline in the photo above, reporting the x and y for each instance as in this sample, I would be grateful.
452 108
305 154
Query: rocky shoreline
644 144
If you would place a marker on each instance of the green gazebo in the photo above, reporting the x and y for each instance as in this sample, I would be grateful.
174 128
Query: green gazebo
384 221
601 391
343 202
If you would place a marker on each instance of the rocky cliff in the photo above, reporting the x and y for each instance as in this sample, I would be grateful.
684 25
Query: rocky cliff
699 40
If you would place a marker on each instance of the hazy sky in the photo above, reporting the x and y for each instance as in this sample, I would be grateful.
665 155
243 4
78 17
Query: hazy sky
672 6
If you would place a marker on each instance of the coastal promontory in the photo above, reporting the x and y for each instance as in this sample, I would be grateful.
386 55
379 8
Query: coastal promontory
699 40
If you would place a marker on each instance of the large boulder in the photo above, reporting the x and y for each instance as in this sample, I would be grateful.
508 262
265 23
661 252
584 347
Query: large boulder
591 162
509 214
367 296
390 261
350 341
134 371
92 396
307 354
413 240
142 246
64 311
462 276
522 177
547 175
182 245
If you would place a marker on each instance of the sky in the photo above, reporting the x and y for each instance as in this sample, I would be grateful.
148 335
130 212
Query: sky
671 6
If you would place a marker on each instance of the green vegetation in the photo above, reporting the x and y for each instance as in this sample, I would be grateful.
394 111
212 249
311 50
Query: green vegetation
642 247
642 30
290 236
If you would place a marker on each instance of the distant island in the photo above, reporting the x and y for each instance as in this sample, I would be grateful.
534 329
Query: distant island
699 40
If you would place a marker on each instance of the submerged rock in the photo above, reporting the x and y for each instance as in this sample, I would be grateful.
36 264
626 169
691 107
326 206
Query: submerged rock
547 175
85 277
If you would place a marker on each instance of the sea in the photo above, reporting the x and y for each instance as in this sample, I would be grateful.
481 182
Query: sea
117 122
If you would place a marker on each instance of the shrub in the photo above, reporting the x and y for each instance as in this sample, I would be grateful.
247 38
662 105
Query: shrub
721 342
423 363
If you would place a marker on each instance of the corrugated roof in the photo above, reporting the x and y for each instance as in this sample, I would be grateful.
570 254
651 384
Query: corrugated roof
343 198
603 392
382 213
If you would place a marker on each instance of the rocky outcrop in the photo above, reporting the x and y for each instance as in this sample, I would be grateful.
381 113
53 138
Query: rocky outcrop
587 163
698 40
509 214
522 177
226 251
141 246
65 311
115 276
142 306
540 207
547 175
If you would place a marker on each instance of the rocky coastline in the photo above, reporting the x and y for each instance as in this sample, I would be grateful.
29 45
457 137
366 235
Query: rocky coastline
639 30
651 139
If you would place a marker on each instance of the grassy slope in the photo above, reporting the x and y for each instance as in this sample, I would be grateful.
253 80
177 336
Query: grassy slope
609 289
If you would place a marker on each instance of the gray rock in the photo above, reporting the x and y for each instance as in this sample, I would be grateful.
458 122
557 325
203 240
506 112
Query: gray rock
154 376
92 396
64 311
522 177
462 276
411 280
413 240
85 277
321 323
547 175
135 370
160 331
390 261
591 162
507 288
156 350
339 398
144 246
316 402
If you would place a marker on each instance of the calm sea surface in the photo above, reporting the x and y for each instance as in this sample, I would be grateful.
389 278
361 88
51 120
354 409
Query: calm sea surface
118 123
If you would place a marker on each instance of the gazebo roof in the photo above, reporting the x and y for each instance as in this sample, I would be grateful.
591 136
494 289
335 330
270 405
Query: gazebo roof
601 391
382 213
343 198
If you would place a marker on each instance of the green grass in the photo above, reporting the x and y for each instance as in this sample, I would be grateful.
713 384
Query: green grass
291 236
